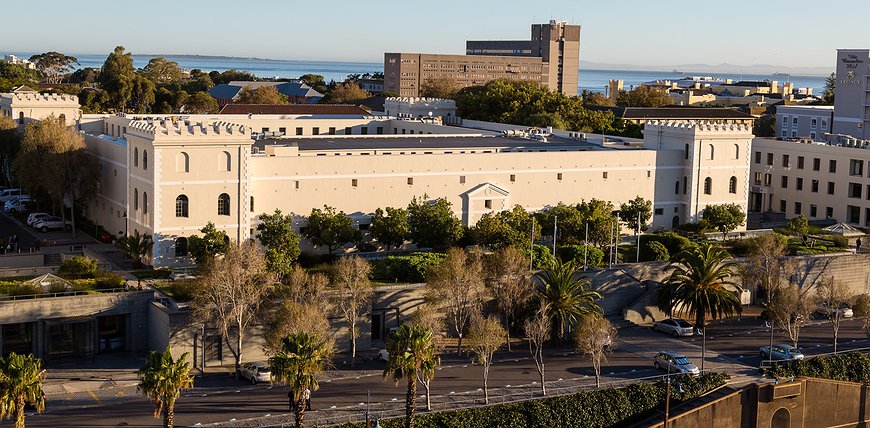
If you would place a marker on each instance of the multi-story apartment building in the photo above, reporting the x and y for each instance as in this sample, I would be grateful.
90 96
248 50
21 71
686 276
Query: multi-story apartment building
818 180
804 121
551 57
852 101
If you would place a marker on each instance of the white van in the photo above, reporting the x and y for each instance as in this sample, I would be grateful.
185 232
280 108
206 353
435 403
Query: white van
8 194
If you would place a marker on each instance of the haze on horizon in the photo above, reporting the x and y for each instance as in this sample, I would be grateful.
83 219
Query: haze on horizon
665 33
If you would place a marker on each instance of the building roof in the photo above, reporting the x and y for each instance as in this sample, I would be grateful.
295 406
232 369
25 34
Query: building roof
419 142
675 113
295 109
291 89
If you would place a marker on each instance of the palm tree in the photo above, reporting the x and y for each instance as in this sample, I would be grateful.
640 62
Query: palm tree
135 246
567 296
161 379
20 383
301 358
412 354
700 286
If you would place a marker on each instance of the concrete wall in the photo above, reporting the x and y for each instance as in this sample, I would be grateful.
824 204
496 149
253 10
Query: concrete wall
22 260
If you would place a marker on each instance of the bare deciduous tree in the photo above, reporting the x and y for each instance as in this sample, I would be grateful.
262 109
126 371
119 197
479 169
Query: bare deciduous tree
791 308
537 329
766 265
861 306
485 336
833 296
511 280
232 292
457 287
291 317
594 337
353 294
300 286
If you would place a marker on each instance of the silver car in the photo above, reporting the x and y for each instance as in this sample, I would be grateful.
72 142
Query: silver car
781 352
51 223
675 363
675 327
256 372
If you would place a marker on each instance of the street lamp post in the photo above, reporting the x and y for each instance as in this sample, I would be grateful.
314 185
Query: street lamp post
638 236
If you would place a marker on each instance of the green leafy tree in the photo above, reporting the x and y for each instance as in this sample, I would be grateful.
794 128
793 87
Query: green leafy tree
160 70
162 379
412 353
595 99
637 208
603 225
142 94
433 223
390 229
830 89
543 120
765 126
205 248
345 93
330 228
14 75
117 79
261 95
198 82
302 357
567 296
700 286
10 145
439 87
21 379
798 226
201 103
569 220
276 233
54 65
232 75
135 246
504 228
486 336
724 217
644 96
315 81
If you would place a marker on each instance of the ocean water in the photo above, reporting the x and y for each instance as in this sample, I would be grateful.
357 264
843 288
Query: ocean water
593 80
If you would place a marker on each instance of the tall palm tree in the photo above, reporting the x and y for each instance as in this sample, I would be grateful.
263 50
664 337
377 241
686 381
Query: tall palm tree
161 379
20 383
567 296
412 354
700 286
301 358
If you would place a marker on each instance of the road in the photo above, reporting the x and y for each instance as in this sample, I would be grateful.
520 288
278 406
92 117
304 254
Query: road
731 345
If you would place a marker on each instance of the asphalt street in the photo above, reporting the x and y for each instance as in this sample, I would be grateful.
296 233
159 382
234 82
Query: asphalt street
732 345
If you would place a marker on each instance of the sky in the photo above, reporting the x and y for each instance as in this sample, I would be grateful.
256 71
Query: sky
793 33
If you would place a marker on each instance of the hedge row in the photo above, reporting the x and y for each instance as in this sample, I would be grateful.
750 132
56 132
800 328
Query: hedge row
851 367
602 408
410 268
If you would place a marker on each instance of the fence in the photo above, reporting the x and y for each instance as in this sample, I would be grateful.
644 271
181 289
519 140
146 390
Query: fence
62 294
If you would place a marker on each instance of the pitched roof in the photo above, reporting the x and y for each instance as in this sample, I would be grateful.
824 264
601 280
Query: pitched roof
291 89
675 113
294 109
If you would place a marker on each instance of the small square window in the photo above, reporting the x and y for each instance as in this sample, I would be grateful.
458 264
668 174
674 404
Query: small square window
513 178
461 179
364 130
659 211
410 180
315 131
299 130
604 175
354 182
559 176
348 130
331 130
829 212
487 204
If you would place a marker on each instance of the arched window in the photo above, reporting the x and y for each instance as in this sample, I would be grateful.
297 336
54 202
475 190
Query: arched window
712 151
181 206
675 222
21 118
687 151
135 156
144 159
224 204
181 247
182 162
737 151
135 199
144 202
225 162
781 419
732 185
685 184
677 187
708 186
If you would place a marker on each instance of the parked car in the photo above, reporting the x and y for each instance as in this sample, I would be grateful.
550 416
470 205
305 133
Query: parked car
781 352
675 327
33 217
51 223
17 204
675 363
256 372
844 311
8 194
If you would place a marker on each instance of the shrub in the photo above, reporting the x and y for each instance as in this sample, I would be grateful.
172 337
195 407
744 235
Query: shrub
410 268
542 258
614 407
180 291
18 289
78 268
108 281
850 367
594 256
152 274
653 251
840 241
674 243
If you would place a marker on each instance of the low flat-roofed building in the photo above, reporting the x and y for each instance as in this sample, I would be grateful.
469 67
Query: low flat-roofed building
803 121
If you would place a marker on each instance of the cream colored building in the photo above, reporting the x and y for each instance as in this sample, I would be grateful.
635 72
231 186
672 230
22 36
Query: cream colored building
168 176
27 105
819 180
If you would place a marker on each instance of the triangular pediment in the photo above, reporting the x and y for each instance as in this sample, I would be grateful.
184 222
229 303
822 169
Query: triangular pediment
486 189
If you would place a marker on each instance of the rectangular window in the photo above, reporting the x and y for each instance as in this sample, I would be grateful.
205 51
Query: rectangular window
785 161
604 175
829 212
797 208
794 121
513 178
348 130
813 123
354 182
830 187
298 130
813 136
265 129
799 183
814 210
817 164
461 179
297 184
282 130
757 157
783 133
785 182
410 180
856 167
315 131
832 166
855 190
800 162
785 121
782 206
824 124
757 178
331 130
364 130
814 186
793 134
379 130
487 204
767 179
252 204
659 211
770 158
559 176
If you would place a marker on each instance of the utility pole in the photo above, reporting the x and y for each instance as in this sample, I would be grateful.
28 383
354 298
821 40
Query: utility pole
638 236
586 247
532 246
555 223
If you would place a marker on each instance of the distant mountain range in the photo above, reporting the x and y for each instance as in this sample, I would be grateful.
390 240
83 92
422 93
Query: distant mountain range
724 68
